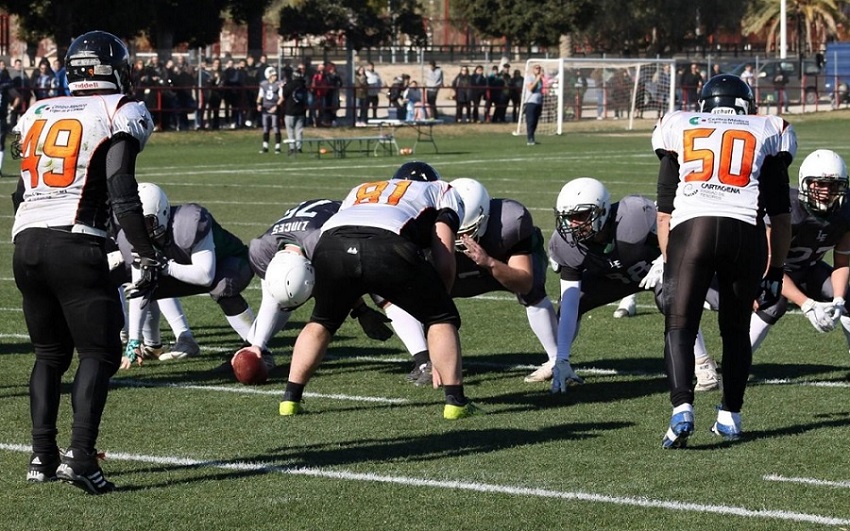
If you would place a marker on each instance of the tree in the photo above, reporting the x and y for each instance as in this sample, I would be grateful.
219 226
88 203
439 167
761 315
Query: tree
251 13
819 20
524 22
360 24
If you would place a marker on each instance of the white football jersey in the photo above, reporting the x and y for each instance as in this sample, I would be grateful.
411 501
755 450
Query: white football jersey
396 205
720 160
59 139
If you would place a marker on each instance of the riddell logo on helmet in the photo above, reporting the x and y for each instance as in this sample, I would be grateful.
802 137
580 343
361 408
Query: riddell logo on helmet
83 85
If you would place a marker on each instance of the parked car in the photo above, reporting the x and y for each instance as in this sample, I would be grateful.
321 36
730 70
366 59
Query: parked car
809 78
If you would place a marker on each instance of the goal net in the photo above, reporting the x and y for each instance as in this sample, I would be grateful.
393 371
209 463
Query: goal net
601 89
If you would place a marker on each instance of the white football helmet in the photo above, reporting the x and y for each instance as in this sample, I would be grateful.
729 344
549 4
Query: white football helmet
828 172
476 208
270 71
289 279
582 209
156 209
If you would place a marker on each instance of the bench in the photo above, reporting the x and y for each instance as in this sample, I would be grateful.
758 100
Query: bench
424 129
383 143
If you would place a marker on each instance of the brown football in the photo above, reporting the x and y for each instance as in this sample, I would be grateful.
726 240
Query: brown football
249 369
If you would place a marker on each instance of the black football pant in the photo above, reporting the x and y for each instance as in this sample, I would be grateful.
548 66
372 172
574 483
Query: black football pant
69 303
698 248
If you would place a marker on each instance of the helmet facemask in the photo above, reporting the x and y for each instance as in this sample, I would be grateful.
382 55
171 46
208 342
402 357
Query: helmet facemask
823 195
580 223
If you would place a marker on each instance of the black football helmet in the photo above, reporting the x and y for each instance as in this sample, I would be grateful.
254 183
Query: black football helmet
417 171
98 61
727 94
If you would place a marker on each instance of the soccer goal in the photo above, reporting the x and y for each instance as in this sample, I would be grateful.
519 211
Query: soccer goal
602 89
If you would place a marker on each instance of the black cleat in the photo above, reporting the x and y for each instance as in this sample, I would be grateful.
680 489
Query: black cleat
82 470
43 468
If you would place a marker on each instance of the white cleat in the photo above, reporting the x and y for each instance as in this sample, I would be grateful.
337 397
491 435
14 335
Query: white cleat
627 308
184 347
542 374
706 373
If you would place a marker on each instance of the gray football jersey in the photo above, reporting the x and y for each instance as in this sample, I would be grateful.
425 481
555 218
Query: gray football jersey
812 236
626 256
508 233
300 225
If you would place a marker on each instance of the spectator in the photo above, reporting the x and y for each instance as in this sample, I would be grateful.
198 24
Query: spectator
253 76
598 77
780 80
234 83
21 84
462 95
534 85
181 82
501 112
416 108
621 86
516 84
479 91
395 94
691 86
332 97
216 86
43 81
60 82
715 70
748 75
318 90
495 86
433 83
7 94
295 101
375 87
361 96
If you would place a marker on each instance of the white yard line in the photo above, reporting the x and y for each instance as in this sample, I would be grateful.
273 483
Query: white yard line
471 486
808 481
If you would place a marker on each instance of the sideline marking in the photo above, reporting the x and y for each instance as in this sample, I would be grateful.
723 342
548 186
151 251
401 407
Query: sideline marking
471 487
807 481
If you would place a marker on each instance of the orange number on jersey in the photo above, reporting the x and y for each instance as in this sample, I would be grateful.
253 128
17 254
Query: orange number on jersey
63 142
371 192
737 147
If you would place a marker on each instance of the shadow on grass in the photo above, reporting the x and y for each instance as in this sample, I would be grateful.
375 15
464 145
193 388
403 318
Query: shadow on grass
433 447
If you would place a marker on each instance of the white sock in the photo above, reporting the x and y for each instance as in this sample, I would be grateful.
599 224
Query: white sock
684 407
150 331
699 346
407 328
123 298
728 418
242 323
544 324
172 310
135 318
758 331
270 320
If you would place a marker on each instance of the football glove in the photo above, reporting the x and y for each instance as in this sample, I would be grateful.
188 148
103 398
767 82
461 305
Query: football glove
372 322
655 274
819 314
149 271
770 288
563 377
838 309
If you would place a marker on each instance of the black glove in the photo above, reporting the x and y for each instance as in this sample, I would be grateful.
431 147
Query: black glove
372 322
771 287
150 269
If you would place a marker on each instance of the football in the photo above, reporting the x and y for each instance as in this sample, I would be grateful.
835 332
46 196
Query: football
249 369
405 151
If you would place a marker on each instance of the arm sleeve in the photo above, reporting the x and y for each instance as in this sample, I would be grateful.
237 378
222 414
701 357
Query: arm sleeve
568 320
124 192
774 187
201 271
668 181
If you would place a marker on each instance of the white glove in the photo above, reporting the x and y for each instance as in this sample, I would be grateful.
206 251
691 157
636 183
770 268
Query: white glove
655 274
837 309
819 314
563 377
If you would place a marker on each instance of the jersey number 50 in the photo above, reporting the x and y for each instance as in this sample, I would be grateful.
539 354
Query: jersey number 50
61 143
733 164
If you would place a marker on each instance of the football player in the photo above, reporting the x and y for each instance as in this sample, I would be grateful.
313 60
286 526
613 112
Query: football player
603 252
200 257
721 168
269 99
281 258
820 222
78 159
376 244
498 249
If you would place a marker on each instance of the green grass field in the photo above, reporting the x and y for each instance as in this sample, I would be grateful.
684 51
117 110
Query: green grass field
193 450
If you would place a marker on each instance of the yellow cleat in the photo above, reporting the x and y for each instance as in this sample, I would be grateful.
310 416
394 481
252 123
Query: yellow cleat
288 408
451 412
